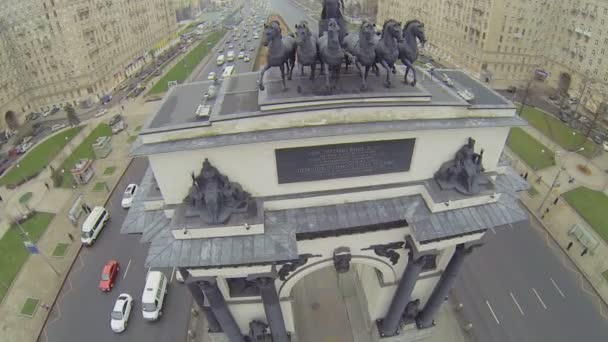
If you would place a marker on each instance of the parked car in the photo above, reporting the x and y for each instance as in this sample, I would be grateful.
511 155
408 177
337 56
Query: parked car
153 297
32 116
25 147
119 127
115 119
121 312
46 113
212 76
511 89
106 99
93 225
54 110
127 196
605 145
108 275
246 59
57 127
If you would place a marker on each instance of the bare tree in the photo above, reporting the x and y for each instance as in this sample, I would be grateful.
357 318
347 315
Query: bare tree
73 119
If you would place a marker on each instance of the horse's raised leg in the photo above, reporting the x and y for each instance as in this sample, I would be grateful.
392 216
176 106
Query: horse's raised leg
326 68
387 67
261 79
292 65
282 68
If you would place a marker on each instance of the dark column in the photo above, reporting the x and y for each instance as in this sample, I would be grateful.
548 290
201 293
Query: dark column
389 325
199 298
221 311
272 308
445 284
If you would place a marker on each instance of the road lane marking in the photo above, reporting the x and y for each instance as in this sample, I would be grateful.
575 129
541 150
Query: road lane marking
539 299
126 270
517 304
172 273
492 311
492 229
558 289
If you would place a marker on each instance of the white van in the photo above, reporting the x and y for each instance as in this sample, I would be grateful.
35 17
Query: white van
91 227
154 295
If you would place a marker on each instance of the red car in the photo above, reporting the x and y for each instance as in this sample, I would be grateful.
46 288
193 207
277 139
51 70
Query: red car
108 274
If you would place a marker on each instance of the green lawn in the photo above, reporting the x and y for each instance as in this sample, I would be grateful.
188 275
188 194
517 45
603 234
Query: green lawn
84 150
532 191
100 186
60 249
592 206
109 170
29 307
530 150
183 68
605 275
38 157
558 131
12 250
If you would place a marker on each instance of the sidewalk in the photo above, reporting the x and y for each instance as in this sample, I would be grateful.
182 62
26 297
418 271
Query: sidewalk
35 278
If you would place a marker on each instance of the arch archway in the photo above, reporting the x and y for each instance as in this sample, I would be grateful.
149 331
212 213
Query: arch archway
388 273
326 305
11 119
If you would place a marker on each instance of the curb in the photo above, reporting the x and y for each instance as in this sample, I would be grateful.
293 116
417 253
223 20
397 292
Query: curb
77 255
582 273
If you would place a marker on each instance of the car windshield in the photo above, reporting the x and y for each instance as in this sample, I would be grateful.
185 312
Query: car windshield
105 276
117 315
86 234
148 307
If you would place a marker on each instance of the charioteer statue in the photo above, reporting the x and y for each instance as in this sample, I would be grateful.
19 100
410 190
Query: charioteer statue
465 172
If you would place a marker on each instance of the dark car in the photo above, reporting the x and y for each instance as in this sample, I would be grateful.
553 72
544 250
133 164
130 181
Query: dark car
54 110
511 89
158 72
115 119
32 116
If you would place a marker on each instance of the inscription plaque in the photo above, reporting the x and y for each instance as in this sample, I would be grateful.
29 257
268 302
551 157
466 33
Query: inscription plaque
302 164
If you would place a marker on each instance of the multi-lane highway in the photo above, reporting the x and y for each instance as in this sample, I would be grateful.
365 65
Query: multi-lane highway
520 287
82 311
240 65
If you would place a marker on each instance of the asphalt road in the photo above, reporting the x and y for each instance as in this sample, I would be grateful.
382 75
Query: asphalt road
520 287
240 65
82 311
292 13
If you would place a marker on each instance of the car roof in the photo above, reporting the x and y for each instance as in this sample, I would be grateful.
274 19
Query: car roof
108 264
131 186
88 223
120 301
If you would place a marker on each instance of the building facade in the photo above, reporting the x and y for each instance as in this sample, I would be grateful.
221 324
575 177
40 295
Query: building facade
59 51
252 192
504 43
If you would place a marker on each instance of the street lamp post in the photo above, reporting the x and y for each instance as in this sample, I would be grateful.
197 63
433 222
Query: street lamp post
559 172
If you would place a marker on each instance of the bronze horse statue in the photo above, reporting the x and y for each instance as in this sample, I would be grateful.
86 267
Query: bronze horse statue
361 49
281 52
307 52
413 30
387 50
331 52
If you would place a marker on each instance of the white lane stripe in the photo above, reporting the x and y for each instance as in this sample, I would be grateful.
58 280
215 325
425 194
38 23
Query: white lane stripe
516 303
492 229
539 299
557 287
127 270
172 274
492 311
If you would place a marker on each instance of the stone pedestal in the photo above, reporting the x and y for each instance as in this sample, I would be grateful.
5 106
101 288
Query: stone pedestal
218 337
409 334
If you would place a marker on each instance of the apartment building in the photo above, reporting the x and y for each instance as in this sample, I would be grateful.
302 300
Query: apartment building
58 51
504 43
